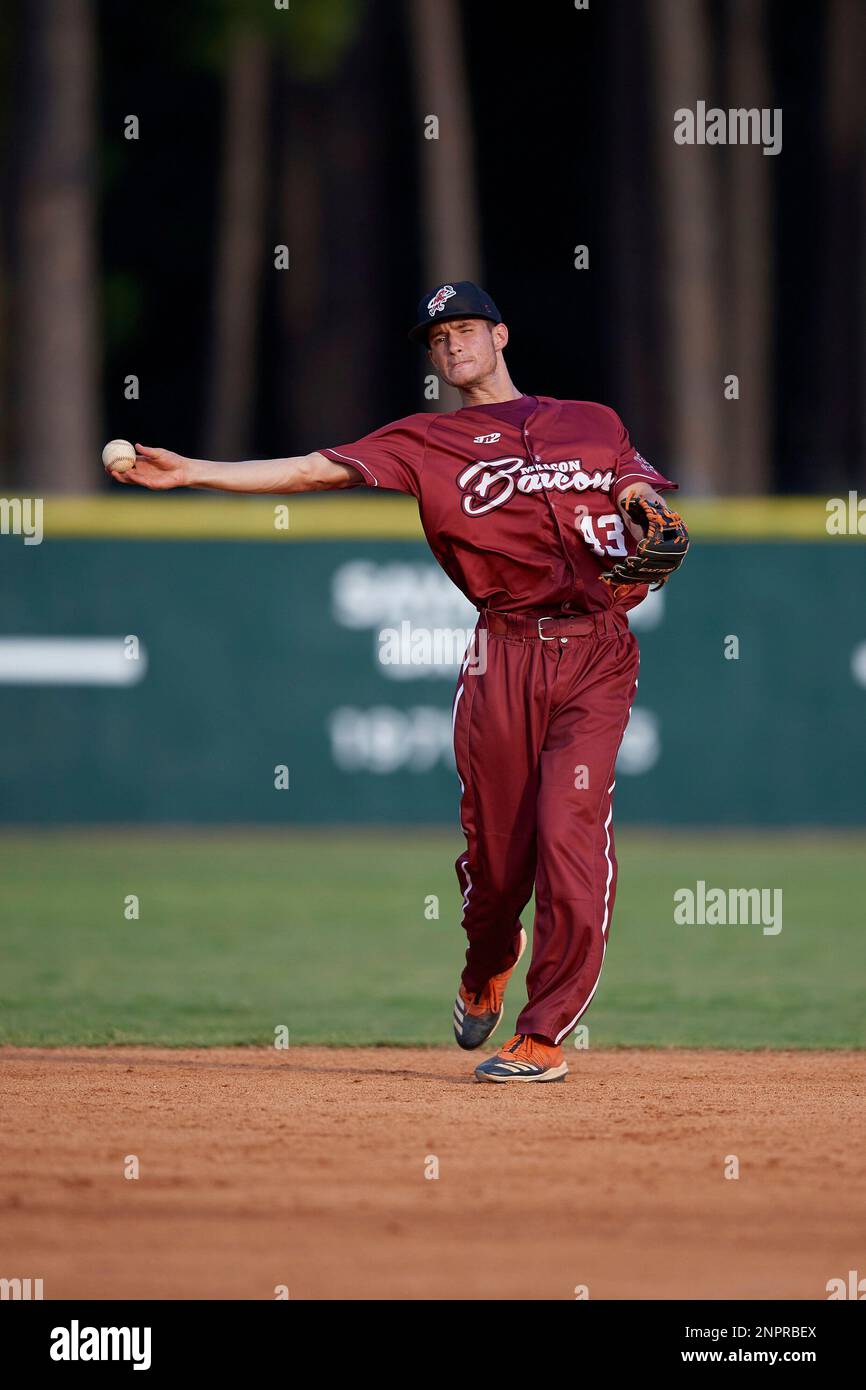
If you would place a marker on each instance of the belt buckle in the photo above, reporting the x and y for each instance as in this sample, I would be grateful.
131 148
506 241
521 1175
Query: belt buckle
541 634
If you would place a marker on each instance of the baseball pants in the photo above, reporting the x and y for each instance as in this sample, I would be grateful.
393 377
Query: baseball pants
537 727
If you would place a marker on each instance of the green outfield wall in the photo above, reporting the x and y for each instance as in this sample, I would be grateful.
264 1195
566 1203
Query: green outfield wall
171 662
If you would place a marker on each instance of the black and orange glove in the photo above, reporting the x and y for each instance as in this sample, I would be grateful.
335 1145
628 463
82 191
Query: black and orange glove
661 549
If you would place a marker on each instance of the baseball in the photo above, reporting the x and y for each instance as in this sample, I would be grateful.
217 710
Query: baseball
118 454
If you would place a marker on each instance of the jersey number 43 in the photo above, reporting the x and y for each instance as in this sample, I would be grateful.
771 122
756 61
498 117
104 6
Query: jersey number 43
612 538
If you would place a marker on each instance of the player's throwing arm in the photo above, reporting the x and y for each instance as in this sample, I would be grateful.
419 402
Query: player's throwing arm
160 469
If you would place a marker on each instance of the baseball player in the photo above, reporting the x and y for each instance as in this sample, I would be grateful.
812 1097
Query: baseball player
543 513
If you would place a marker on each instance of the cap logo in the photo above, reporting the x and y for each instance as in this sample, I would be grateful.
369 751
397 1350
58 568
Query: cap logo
440 299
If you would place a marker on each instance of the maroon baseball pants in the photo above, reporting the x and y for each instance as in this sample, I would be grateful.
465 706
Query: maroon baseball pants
537 727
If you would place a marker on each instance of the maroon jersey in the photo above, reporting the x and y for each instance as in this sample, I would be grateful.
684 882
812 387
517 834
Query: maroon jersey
520 513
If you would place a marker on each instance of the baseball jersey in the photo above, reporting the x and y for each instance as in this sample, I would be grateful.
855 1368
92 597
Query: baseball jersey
519 507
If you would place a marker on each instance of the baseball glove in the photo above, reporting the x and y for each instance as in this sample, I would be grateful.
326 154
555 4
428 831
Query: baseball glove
661 549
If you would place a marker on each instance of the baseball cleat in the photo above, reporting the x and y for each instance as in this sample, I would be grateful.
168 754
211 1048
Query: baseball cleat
476 1016
524 1058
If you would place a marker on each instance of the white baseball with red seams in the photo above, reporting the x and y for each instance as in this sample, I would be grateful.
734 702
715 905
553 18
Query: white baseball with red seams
118 455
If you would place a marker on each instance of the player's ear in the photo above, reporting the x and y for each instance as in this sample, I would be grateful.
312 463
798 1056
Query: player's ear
500 336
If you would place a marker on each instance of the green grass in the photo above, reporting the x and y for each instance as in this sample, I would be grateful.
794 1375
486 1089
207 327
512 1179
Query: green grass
325 932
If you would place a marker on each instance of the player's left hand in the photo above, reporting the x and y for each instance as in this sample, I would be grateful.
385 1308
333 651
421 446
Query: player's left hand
661 549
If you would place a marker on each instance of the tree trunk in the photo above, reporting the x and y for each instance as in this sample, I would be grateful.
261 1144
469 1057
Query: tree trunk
843 333
449 216
241 251
55 306
692 268
6 479
637 346
748 466
335 209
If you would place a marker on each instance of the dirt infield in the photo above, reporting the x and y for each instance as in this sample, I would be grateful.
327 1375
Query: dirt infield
306 1168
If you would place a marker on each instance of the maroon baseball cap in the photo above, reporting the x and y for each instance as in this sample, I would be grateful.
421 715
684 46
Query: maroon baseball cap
455 299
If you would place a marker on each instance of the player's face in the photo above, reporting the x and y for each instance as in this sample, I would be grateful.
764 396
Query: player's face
464 351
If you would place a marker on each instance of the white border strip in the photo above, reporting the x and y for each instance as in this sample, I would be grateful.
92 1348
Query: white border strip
70 661
604 925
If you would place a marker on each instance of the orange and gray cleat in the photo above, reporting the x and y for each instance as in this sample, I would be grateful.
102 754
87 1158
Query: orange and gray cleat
477 1015
524 1058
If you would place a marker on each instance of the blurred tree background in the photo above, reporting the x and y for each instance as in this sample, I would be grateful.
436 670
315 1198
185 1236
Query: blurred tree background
260 125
